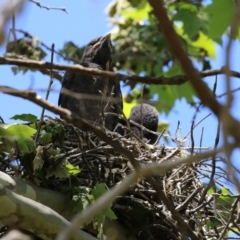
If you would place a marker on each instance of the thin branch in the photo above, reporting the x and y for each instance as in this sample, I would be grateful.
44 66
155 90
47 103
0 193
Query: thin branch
48 8
47 95
41 65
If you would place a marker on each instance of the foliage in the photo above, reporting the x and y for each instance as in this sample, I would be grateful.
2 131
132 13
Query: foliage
85 196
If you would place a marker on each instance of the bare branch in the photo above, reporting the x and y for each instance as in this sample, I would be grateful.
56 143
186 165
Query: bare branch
176 80
48 8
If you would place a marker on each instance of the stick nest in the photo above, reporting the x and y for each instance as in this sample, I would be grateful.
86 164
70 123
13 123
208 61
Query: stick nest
139 210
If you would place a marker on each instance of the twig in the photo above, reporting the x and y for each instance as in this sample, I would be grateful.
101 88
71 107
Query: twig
192 138
48 8
13 30
46 98
201 138
188 199
197 124
234 205
55 74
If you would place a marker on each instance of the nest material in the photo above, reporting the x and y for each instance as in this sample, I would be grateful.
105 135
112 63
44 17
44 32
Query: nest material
139 210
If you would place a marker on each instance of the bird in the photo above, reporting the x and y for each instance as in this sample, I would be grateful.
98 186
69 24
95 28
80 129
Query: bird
93 96
146 115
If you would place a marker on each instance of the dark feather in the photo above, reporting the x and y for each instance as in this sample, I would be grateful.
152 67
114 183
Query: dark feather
146 115
88 100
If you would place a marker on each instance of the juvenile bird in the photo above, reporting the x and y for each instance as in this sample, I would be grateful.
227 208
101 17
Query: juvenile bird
93 96
147 116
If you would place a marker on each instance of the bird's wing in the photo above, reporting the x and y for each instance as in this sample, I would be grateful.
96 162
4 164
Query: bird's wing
67 79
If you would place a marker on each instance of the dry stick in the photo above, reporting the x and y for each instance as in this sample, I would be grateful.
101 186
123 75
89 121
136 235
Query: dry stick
192 138
211 182
176 80
47 95
198 124
200 104
13 30
234 205
177 132
201 138
48 8
224 94
188 199
141 110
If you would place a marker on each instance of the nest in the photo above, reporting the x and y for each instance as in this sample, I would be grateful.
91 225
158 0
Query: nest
139 210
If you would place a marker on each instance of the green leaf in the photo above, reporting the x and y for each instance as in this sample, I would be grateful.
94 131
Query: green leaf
59 172
162 126
221 15
192 27
38 161
72 170
25 117
54 152
139 13
205 43
97 192
31 145
81 199
128 105
45 138
20 133
202 43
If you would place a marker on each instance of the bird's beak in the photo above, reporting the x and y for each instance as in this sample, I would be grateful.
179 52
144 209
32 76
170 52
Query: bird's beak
106 38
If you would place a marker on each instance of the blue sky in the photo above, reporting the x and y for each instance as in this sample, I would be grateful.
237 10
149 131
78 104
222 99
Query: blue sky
86 19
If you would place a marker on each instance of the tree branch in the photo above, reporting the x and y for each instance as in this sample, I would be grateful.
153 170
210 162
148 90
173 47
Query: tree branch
48 8
176 80
52 199
30 215
58 202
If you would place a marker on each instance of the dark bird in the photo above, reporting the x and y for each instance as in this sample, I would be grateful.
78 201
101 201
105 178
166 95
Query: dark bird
147 116
91 97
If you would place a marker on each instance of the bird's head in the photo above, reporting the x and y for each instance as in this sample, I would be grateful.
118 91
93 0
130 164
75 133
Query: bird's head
99 51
